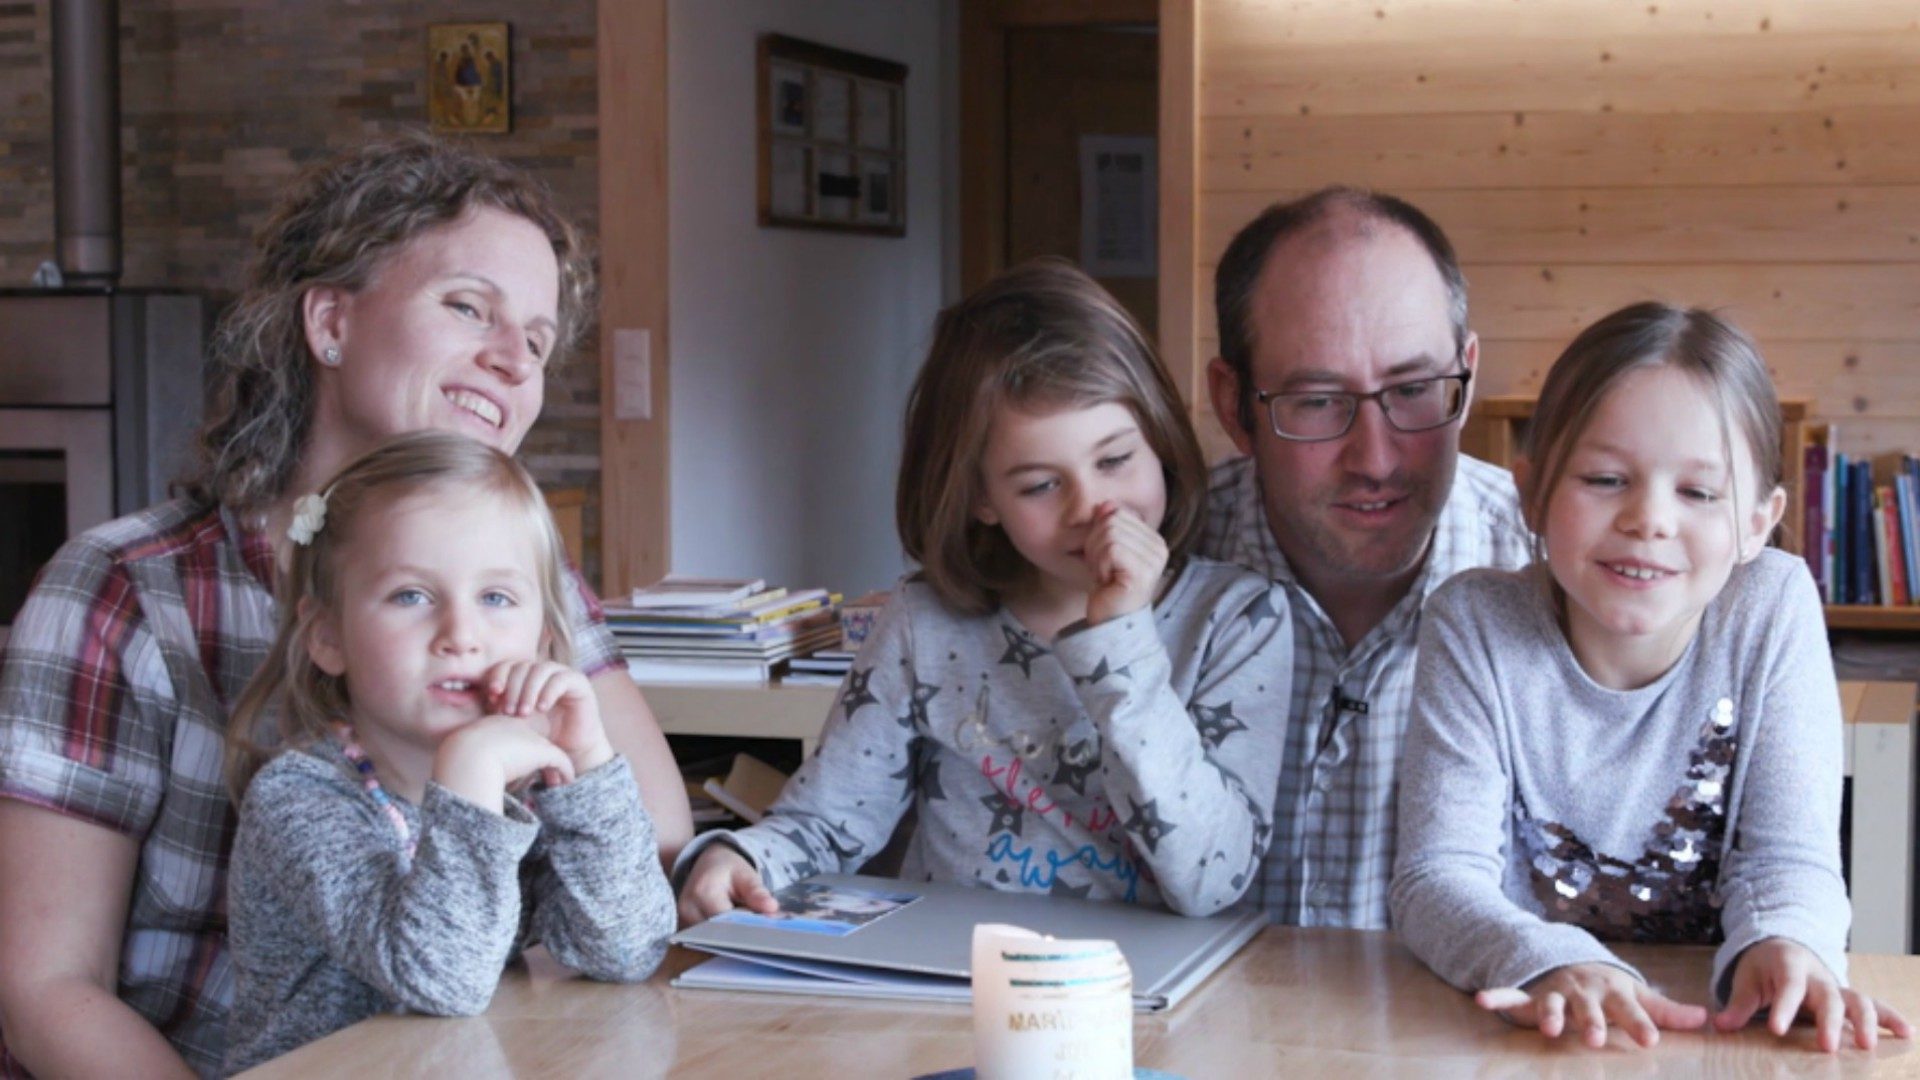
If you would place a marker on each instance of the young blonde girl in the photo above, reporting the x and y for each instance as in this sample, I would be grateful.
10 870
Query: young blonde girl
1070 701
1637 739
393 855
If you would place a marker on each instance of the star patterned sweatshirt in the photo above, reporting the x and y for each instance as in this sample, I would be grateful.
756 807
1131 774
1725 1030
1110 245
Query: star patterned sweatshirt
1134 760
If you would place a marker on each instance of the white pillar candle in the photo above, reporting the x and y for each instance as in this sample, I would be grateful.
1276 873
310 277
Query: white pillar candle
1050 1010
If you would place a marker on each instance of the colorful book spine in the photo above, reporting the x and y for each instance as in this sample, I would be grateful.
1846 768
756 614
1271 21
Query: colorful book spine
1893 576
1841 524
1828 520
1907 489
1814 542
1903 493
1866 568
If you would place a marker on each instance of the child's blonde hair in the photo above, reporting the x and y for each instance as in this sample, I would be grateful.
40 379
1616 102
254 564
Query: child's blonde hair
1724 362
292 701
1046 335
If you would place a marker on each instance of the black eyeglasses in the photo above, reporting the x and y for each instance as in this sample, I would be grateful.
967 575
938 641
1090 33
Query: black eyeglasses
1318 415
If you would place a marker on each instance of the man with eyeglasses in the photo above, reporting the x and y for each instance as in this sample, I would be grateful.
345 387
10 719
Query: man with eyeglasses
1346 367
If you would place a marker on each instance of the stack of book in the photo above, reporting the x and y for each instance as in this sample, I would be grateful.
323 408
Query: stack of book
828 666
822 667
706 630
1862 531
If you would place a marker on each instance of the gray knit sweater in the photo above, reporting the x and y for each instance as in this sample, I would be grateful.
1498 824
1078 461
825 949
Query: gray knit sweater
1541 812
1134 760
331 923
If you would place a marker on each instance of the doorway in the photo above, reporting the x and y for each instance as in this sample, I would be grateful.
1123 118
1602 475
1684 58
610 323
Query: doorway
1059 116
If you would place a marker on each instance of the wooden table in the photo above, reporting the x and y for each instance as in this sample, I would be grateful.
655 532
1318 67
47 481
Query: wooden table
1294 1002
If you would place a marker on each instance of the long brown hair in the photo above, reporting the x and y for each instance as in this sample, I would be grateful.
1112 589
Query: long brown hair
338 225
1040 334
290 700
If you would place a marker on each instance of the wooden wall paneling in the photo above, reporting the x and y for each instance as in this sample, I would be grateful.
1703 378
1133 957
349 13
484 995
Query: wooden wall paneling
1180 314
636 528
1762 73
1275 23
1559 149
1837 378
1771 301
1721 225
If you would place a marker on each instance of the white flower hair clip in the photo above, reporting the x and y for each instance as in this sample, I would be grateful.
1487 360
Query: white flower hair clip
309 516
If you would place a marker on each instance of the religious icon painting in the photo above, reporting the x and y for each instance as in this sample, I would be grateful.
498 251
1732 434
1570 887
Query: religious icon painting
469 78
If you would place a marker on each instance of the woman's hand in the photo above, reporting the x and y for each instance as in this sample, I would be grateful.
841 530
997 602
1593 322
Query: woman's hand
1127 557
1585 998
1790 980
721 880
478 761
558 701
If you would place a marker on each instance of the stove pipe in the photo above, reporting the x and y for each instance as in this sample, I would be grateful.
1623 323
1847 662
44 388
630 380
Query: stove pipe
86 140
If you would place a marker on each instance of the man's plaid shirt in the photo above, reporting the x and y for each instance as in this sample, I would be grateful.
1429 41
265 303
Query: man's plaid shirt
1332 853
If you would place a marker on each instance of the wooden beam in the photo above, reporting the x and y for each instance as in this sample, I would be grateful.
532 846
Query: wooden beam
636 526
983 143
1179 198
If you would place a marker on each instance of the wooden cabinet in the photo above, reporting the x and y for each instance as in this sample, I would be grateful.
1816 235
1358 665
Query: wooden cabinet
1496 429
568 507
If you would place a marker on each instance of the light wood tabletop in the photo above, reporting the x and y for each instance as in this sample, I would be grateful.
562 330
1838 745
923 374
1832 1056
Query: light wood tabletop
1294 1002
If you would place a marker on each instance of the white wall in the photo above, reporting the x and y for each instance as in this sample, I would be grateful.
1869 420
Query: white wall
792 351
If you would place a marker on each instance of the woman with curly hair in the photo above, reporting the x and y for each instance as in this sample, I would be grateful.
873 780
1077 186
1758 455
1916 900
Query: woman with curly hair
406 285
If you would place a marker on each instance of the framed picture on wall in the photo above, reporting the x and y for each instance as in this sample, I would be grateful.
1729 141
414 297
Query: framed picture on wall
832 138
469 78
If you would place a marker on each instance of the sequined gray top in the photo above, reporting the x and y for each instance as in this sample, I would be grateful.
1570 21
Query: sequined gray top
1541 813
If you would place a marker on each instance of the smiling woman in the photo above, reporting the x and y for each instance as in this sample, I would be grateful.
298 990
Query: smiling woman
406 285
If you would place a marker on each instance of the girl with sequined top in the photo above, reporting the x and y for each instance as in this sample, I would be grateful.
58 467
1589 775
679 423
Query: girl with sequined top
444 792
1071 703
1638 738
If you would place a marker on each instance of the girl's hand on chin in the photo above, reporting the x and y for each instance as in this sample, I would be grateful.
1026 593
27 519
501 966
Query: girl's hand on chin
1127 557
558 701
479 761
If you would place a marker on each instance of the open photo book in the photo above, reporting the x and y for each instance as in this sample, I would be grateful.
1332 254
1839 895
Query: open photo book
848 936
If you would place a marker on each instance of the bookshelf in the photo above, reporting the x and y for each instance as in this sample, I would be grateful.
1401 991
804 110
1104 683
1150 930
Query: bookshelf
756 710
1497 425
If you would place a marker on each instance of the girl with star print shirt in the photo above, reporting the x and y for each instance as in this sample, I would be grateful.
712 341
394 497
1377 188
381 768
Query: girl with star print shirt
1069 703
